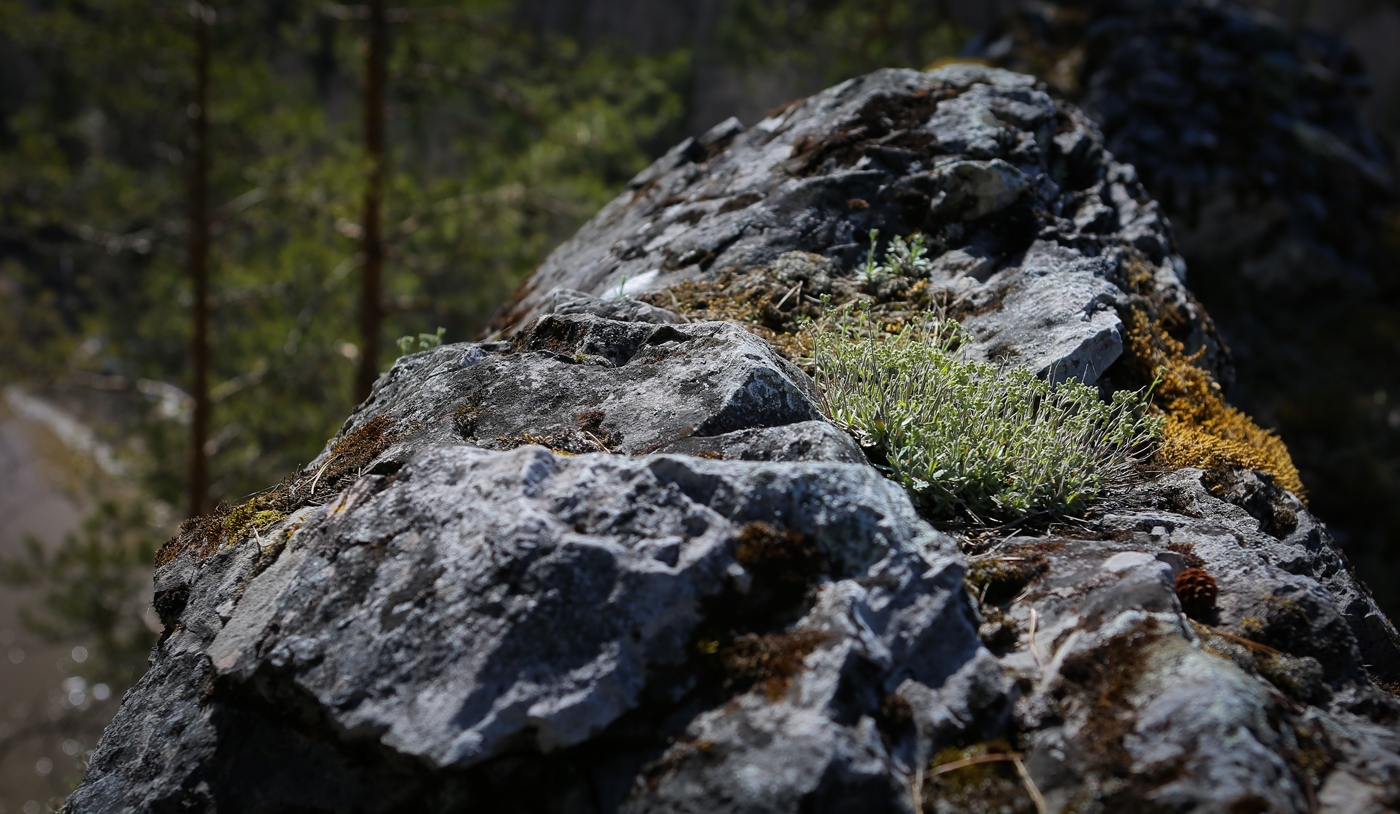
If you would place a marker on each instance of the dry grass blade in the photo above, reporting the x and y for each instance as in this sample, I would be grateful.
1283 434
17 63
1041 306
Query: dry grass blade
998 757
1036 797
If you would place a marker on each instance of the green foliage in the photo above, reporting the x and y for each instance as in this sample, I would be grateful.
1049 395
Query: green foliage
501 143
835 40
94 587
902 258
971 438
409 344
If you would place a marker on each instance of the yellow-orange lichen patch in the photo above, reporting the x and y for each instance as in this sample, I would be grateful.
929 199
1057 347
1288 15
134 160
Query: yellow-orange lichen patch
1202 430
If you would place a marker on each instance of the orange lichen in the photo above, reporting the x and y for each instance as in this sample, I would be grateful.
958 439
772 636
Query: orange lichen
1202 430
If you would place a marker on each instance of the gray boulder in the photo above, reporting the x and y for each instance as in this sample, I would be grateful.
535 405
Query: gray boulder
621 562
477 617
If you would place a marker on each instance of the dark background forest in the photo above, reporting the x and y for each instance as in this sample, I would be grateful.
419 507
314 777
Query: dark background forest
216 218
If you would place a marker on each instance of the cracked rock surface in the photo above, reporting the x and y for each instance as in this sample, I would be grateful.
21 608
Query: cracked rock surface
1034 228
620 561
1249 131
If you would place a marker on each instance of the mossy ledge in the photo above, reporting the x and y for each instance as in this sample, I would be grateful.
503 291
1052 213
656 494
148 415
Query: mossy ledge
227 524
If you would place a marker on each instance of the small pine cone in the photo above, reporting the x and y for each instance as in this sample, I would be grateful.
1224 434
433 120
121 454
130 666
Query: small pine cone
1197 591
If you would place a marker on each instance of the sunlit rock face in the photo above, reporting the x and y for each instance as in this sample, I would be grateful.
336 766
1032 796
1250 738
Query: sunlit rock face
618 560
1035 228
1251 133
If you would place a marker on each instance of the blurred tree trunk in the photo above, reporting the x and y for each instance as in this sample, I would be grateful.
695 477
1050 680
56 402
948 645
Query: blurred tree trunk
199 257
371 306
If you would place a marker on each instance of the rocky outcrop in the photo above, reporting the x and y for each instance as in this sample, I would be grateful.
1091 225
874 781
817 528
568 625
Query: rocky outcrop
619 560
1036 228
1250 134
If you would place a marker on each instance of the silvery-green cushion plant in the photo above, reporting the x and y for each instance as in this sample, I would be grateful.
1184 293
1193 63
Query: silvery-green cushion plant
970 438
906 257
410 344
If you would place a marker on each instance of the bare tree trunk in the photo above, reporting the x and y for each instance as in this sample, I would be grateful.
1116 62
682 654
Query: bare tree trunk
199 258
371 307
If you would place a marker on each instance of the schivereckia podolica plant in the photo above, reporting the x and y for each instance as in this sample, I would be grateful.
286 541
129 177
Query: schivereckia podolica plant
970 438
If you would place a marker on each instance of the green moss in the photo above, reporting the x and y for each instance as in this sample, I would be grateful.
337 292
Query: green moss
1284 625
1314 755
1252 628
980 787
1300 678
250 518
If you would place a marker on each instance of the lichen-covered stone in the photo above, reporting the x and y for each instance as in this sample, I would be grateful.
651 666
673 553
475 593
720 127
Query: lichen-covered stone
623 309
582 383
807 441
620 562
1132 704
1252 133
477 604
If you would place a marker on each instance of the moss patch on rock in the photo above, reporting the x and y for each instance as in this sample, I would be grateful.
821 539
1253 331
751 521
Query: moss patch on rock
226 524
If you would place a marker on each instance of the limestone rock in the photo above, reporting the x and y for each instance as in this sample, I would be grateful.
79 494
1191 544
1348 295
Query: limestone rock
620 562
623 309
484 613
581 383
981 160
1209 713
807 441
1250 131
